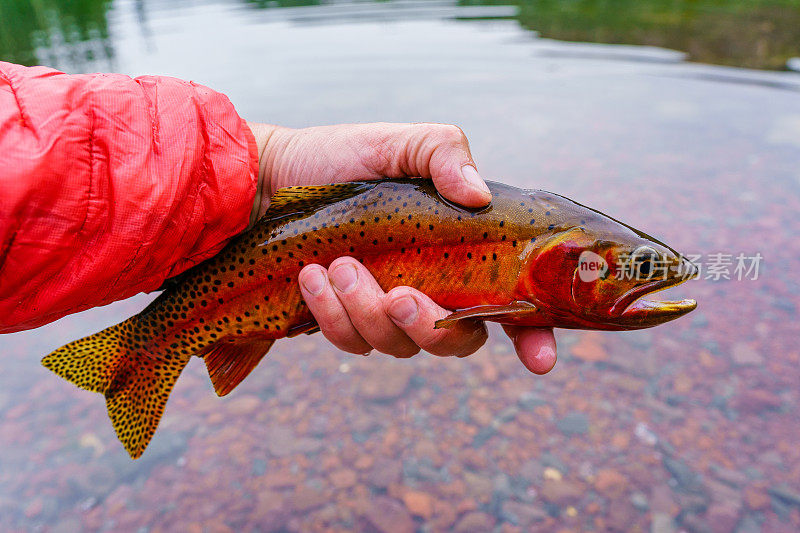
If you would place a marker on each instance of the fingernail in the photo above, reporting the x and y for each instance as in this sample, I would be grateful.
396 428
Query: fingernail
544 361
474 179
314 281
344 277
404 310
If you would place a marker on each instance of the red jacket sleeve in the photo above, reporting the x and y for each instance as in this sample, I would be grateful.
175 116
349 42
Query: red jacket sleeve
111 185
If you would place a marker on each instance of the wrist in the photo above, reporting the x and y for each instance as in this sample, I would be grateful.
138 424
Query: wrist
270 141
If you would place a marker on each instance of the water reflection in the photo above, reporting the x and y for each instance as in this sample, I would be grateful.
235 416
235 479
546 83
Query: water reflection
56 33
764 34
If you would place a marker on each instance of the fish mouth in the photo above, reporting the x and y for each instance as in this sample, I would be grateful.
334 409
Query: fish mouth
633 311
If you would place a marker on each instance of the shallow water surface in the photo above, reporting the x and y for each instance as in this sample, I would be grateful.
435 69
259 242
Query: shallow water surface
693 424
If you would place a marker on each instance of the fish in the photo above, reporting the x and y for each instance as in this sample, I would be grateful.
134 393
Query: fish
530 257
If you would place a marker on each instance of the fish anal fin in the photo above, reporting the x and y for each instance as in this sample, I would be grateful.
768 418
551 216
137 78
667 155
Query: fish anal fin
492 313
228 363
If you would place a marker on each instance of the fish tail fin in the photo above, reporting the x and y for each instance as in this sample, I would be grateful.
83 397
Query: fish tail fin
136 384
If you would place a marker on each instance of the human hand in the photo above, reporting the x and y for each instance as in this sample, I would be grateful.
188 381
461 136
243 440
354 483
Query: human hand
352 310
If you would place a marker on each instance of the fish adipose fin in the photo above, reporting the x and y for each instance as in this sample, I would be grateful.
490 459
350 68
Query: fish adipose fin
494 313
228 363
136 384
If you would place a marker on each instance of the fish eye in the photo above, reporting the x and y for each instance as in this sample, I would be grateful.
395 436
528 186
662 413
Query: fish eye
643 262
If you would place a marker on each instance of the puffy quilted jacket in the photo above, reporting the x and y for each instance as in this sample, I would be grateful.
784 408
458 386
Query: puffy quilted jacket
109 185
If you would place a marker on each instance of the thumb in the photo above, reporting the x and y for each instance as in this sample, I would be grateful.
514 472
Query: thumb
436 151
451 167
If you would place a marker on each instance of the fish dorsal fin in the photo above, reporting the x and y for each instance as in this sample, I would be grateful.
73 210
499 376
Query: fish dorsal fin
492 313
228 363
288 201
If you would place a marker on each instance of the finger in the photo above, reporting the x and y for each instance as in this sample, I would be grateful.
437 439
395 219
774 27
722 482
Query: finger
362 298
452 169
437 151
536 347
415 313
329 312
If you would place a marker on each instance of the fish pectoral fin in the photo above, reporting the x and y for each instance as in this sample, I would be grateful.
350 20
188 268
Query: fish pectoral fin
228 363
492 313
309 328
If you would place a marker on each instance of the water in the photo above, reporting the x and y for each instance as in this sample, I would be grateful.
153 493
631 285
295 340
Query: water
693 424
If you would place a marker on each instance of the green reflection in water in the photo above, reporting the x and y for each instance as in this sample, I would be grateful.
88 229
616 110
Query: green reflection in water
53 32
753 33
748 33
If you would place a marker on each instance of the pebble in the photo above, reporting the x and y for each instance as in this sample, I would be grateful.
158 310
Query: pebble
529 400
723 517
418 503
662 523
522 514
574 423
756 498
305 499
645 434
561 491
386 382
610 483
639 501
745 354
786 494
243 405
589 348
474 522
620 514
344 478
756 401
386 472
387 515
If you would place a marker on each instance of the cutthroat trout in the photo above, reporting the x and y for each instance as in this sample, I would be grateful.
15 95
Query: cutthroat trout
529 258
